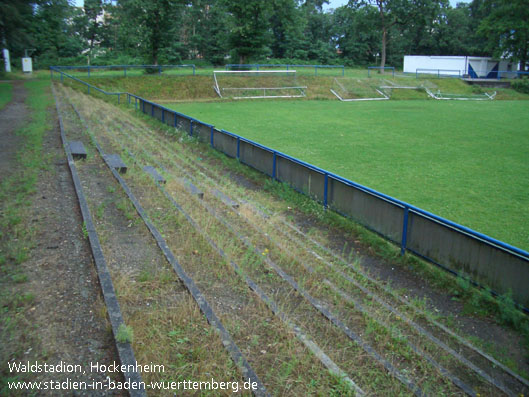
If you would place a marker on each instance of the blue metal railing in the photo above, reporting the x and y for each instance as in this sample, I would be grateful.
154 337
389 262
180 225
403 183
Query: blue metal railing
259 66
406 207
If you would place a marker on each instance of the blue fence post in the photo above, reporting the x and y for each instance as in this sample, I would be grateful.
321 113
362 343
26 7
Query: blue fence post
404 231
61 77
125 72
325 190
238 148
135 103
88 71
175 120
119 96
159 70
190 127
163 116
143 106
343 70
128 98
316 70
274 166
211 138
152 109
193 70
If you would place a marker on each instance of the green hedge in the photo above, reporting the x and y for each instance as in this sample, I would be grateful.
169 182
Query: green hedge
521 85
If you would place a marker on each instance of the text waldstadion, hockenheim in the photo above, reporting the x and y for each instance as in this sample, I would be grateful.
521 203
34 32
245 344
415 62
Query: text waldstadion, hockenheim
64 367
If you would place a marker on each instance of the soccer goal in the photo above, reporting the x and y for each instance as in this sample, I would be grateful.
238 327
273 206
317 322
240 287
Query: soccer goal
432 90
350 90
255 84
460 97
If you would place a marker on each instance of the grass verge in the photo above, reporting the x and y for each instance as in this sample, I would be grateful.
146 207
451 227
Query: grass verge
5 94
16 231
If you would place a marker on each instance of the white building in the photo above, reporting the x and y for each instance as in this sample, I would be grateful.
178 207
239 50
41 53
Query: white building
459 66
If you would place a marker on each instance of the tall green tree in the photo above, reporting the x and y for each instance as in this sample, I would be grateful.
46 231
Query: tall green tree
319 29
54 33
15 18
150 28
92 23
506 29
456 32
356 34
287 25
249 35
206 30
395 14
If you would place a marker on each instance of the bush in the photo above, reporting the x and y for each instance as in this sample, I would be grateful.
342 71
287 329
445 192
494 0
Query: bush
521 85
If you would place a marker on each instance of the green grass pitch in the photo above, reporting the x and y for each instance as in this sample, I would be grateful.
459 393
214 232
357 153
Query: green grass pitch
465 161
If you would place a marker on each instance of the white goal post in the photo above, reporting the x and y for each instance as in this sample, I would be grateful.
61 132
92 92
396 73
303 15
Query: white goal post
256 84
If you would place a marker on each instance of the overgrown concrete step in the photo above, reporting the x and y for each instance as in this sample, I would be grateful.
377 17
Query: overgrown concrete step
192 188
77 149
115 162
154 173
225 199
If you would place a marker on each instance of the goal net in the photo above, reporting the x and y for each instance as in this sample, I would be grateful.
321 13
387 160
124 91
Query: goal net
250 84
350 89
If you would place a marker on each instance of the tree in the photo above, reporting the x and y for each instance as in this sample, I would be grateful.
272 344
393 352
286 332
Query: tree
93 10
392 13
506 29
287 26
318 32
356 33
456 32
54 33
150 28
249 34
15 16
206 30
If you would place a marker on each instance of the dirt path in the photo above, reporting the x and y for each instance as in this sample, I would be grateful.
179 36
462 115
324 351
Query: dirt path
66 320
